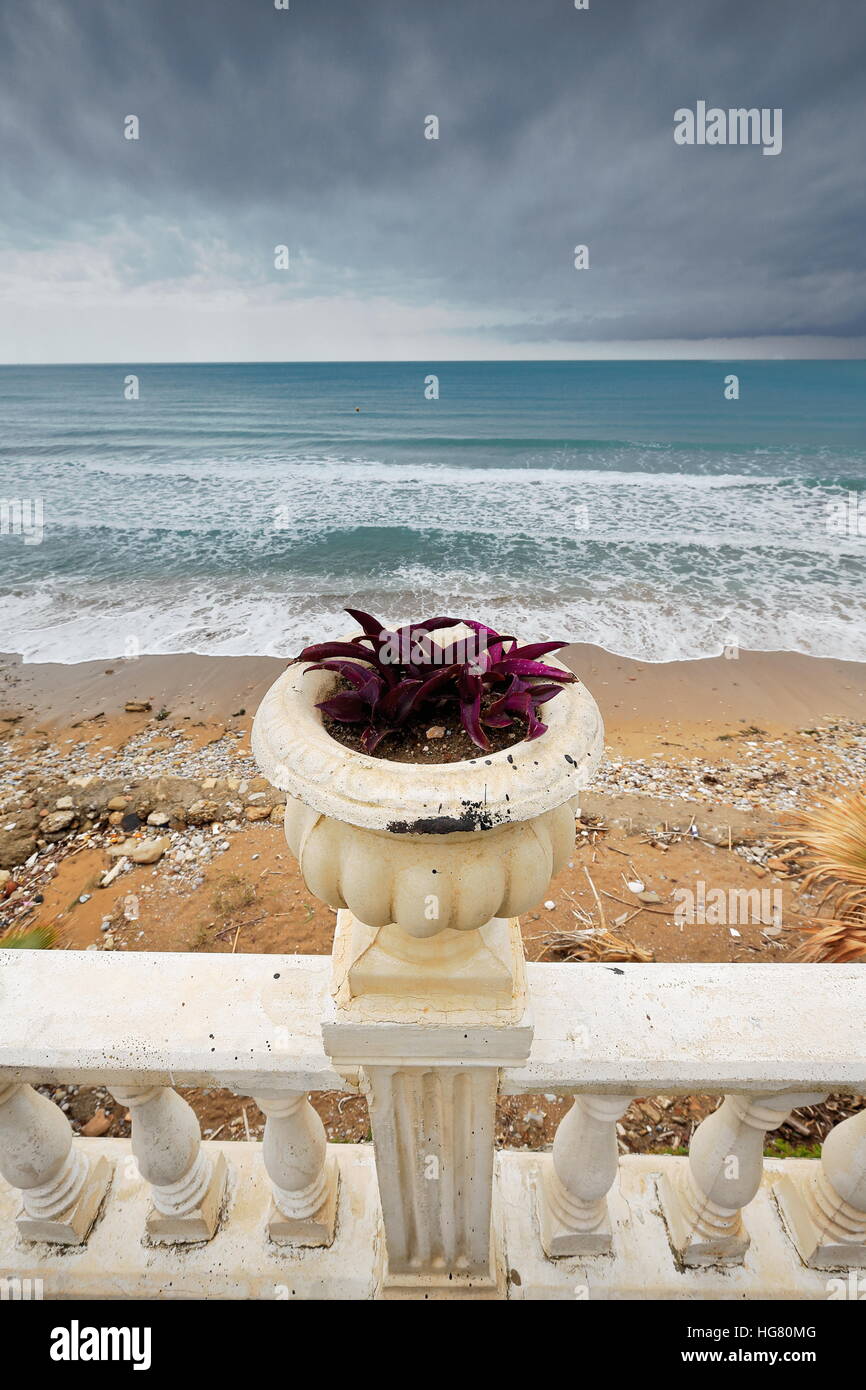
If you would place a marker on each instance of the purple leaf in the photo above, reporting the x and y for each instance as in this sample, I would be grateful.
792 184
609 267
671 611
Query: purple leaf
352 671
536 728
498 721
396 704
542 693
536 649
470 718
324 651
518 667
434 683
370 625
347 707
372 737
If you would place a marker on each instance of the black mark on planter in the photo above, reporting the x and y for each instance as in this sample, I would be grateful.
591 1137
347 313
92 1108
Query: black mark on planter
475 817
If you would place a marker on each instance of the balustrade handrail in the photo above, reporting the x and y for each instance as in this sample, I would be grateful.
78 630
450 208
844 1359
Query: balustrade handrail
683 1029
253 1022
242 1022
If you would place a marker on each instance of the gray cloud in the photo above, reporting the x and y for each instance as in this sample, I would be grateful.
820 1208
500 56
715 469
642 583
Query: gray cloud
306 127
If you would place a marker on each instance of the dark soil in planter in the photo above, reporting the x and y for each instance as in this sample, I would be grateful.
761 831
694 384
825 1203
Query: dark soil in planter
411 744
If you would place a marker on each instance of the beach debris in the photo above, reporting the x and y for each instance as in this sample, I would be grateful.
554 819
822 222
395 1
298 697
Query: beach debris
118 851
137 706
149 851
598 902
591 944
550 904
99 1124
111 874
140 851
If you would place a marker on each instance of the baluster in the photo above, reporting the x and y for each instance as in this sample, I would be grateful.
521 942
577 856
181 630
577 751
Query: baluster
304 1176
577 1177
703 1204
187 1185
826 1209
61 1187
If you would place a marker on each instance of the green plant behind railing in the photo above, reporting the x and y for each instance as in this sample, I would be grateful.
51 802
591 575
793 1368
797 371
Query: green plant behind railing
36 939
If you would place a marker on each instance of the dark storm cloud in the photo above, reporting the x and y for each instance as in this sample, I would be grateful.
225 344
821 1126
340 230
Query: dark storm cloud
260 126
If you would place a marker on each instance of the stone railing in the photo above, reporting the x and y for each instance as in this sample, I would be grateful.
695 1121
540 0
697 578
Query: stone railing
429 1209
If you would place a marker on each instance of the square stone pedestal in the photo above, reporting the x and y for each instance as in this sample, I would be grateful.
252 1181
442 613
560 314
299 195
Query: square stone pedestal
314 1230
195 1225
71 1227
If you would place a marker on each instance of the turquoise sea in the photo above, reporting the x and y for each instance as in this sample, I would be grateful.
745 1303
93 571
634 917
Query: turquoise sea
238 508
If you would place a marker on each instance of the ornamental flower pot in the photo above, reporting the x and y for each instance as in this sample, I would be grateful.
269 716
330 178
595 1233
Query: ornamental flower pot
415 851
428 865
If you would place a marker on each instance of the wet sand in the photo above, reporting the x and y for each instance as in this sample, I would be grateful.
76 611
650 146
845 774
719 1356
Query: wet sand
640 701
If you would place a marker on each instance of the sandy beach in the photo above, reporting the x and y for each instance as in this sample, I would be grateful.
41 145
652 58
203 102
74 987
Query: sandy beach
723 749
638 700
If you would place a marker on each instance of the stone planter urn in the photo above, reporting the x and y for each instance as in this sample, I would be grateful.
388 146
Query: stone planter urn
428 867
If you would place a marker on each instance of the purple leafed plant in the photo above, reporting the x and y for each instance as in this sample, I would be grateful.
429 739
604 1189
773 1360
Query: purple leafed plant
393 676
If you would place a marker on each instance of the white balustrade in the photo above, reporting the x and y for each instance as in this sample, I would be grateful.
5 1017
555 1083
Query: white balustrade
726 1161
304 1178
578 1176
427 1210
61 1188
187 1185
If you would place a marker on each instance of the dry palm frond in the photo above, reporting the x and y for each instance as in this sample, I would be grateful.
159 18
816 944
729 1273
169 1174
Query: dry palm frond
594 944
839 941
830 842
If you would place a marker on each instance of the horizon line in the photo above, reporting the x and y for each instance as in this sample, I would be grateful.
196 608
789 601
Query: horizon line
416 361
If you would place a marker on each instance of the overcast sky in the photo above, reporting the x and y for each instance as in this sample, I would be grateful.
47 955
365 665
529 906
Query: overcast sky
261 127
